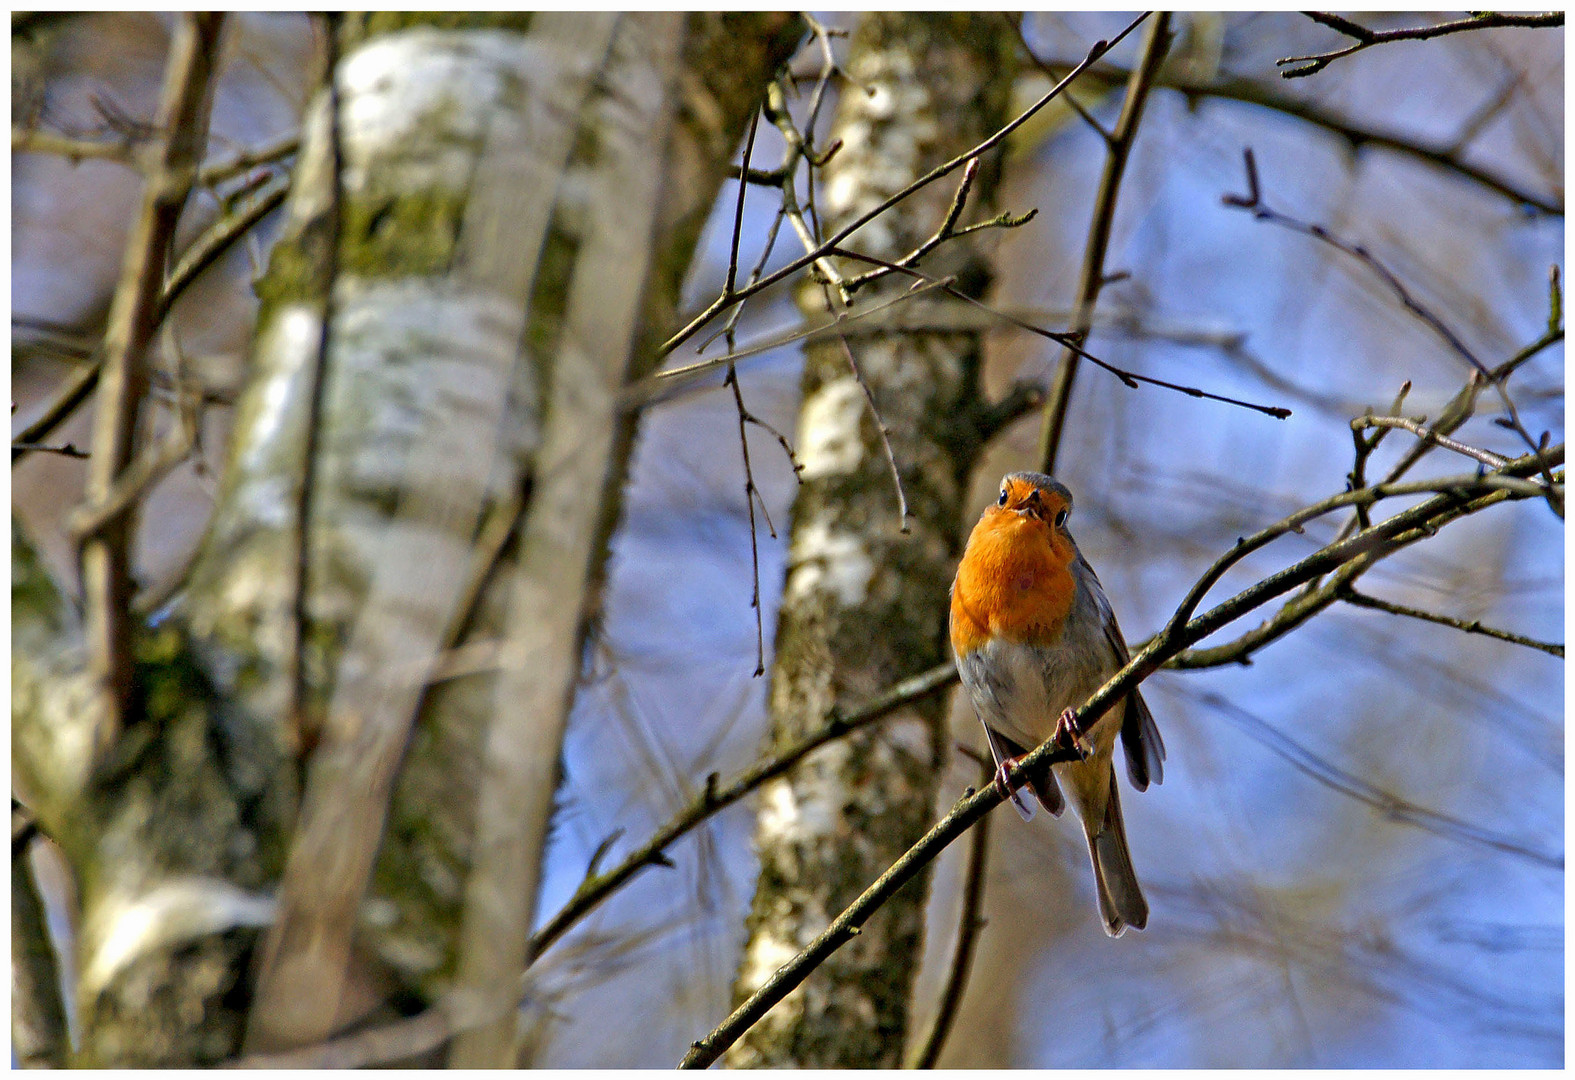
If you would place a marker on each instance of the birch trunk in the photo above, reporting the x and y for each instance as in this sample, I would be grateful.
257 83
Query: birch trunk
469 198
864 604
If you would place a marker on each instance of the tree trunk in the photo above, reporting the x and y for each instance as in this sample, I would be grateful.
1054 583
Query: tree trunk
864 604
483 162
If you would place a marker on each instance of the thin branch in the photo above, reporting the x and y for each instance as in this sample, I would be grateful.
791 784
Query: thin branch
738 211
880 427
1016 23
120 150
1366 39
219 237
717 797
969 925
207 248
106 560
1404 423
750 494
1473 626
1483 491
1097 50
1130 379
947 230
1383 539
1091 280
1367 496
69 450
217 172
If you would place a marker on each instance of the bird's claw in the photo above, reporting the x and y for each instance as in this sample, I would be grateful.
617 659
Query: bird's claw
1003 784
1069 732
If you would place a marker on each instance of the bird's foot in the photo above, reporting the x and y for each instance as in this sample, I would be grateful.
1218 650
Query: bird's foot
1068 732
1003 784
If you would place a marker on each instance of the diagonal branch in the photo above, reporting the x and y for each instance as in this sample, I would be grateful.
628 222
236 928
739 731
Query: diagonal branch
1092 280
1473 626
133 319
1365 39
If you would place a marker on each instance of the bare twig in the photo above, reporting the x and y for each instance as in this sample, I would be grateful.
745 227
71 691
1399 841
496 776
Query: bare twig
1131 379
969 925
750 495
220 236
1366 39
947 230
106 560
217 172
69 450
1091 280
214 241
121 150
1404 423
1472 626
880 427
1097 50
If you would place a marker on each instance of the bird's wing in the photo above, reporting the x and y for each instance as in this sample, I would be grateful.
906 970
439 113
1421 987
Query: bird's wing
1140 738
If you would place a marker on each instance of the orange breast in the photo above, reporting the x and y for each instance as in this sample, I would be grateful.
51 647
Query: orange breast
1013 582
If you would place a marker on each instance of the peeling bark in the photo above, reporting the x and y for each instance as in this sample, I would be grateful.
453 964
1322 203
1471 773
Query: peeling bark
864 604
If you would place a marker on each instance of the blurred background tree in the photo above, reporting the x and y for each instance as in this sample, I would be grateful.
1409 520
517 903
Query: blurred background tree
353 783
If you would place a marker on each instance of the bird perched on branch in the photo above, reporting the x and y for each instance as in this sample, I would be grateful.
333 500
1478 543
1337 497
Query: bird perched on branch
1034 637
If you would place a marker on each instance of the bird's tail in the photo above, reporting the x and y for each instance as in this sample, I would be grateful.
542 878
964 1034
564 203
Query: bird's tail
1121 902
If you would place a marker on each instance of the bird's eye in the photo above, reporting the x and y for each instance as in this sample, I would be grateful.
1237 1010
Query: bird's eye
1002 500
1060 517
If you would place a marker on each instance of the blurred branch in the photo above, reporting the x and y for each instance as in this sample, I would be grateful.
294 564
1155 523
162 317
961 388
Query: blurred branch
724 301
1092 279
1407 527
1390 806
219 236
969 925
1365 38
216 172
120 150
206 249
1474 626
106 562
716 797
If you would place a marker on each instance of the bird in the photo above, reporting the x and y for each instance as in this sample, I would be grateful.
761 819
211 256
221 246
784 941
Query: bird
1034 637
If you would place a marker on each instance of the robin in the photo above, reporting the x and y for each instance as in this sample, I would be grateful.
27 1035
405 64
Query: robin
1034 637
